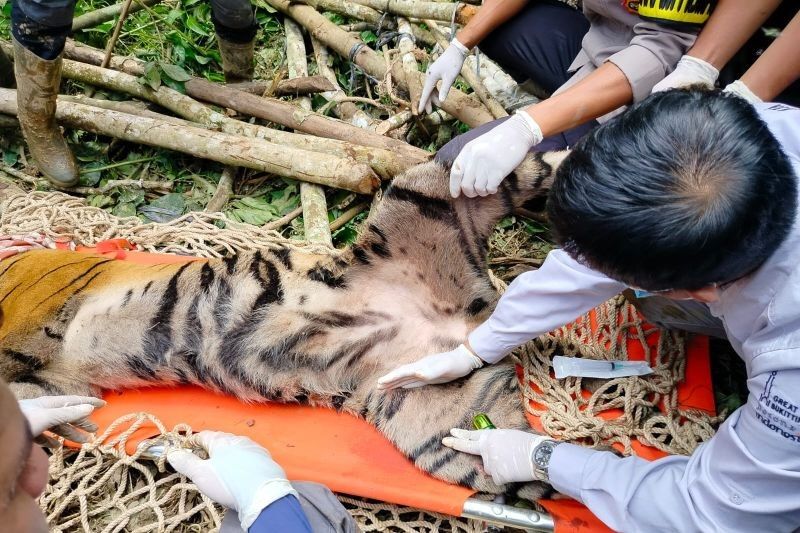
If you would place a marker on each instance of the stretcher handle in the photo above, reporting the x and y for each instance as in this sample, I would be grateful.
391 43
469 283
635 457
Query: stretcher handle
506 515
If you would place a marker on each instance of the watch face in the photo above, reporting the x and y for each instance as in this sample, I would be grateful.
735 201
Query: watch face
542 455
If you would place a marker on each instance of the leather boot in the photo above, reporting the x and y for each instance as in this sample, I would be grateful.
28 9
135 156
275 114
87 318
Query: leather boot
37 88
237 60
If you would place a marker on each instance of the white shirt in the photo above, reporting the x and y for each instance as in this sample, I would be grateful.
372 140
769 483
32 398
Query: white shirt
745 478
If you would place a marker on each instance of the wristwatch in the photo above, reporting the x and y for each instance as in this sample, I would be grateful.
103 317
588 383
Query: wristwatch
540 458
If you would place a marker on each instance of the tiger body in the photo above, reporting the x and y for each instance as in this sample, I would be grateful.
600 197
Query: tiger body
285 325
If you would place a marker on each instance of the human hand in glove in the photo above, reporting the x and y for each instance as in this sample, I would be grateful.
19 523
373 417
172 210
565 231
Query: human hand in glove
742 91
446 69
432 370
66 416
238 474
485 161
689 71
506 453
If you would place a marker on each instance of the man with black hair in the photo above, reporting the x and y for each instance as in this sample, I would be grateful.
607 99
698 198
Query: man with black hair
691 195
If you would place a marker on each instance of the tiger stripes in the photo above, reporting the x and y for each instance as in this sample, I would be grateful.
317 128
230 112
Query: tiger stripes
287 326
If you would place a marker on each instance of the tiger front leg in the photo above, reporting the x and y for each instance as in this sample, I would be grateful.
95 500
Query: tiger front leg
416 421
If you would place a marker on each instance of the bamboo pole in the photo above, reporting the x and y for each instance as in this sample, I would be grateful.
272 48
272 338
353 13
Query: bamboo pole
312 197
98 16
217 146
470 76
469 110
418 9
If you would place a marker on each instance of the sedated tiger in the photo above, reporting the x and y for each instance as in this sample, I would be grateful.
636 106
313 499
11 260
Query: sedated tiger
283 325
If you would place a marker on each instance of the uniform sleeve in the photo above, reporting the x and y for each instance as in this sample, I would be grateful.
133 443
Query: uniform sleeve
280 516
653 53
745 478
540 301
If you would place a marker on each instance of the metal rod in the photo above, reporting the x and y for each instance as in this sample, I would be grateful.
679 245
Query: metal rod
506 515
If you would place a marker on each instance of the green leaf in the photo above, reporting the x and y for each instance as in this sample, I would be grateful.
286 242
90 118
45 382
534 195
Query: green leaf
125 209
174 72
10 158
368 36
131 195
168 207
100 200
195 26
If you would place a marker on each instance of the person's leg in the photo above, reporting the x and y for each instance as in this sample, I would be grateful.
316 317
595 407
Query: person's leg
235 24
539 43
40 29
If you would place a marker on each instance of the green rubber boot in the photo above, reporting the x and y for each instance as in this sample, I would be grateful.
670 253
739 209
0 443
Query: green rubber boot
237 60
37 88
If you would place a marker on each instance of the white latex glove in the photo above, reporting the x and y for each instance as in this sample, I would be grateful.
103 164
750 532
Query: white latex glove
689 71
238 474
446 69
63 415
742 91
485 161
432 370
506 453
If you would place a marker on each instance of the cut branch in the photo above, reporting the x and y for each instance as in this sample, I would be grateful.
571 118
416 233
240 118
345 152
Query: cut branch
296 118
312 197
424 10
295 87
224 191
470 76
99 16
217 146
410 68
468 109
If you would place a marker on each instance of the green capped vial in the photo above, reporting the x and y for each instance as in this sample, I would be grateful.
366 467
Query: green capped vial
481 421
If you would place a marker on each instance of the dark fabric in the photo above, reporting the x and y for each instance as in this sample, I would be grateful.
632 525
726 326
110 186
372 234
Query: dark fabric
44 40
539 43
234 20
52 13
448 153
282 516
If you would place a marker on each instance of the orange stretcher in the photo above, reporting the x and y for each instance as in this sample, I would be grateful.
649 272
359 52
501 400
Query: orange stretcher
353 457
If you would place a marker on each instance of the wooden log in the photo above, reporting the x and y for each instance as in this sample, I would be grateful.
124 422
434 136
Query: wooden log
296 118
223 192
98 16
343 109
387 157
388 161
312 197
467 109
424 10
407 47
294 87
470 76
217 146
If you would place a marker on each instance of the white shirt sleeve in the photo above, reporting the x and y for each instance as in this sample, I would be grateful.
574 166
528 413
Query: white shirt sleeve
540 301
746 478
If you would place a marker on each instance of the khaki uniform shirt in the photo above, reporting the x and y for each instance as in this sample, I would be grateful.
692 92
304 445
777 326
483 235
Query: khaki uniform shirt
644 51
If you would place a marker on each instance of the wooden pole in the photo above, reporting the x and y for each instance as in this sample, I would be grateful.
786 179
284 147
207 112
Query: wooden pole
312 197
98 16
217 146
468 109
418 9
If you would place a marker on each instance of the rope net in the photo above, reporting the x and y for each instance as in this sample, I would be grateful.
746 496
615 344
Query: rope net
102 488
